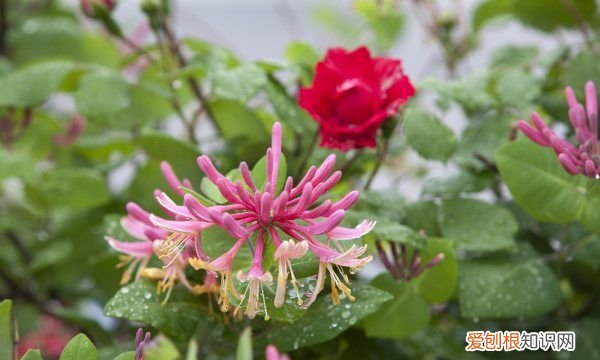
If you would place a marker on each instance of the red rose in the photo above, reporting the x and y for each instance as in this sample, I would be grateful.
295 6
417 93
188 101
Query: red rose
353 94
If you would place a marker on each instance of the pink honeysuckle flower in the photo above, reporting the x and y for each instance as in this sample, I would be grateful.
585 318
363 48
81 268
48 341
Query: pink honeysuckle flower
137 254
271 353
256 277
584 158
267 212
170 245
288 250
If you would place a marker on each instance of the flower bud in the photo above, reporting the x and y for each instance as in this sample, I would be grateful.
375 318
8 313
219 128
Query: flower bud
152 7
91 8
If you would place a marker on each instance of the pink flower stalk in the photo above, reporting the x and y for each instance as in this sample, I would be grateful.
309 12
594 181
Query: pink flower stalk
581 159
266 214
272 353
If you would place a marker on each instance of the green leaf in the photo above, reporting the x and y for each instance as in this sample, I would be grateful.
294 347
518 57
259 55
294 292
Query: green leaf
437 285
453 185
483 138
6 330
522 285
404 315
306 266
470 92
513 55
210 57
244 348
303 58
45 37
240 83
34 354
288 110
395 232
138 301
130 355
212 191
105 148
518 88
236 121
75 188
557 13
216 242
428 136
302 53
290 311
589 252
489 10
386 204
101 96
478 226
32 85
583 67
423 216
162 349
539 184
181 155
324 321
259 173
79 348
587 347
15 164
384 18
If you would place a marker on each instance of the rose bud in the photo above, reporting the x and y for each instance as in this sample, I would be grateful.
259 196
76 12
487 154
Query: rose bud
90 7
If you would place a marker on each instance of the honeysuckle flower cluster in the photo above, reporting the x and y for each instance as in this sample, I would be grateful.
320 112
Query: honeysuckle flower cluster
291 218
584 158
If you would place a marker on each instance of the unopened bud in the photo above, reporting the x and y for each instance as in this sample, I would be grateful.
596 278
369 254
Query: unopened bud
152 7
91 8
435 261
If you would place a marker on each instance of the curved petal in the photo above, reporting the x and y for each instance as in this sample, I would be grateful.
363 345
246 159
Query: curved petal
137 248
165 201
342 233
134 227
185 226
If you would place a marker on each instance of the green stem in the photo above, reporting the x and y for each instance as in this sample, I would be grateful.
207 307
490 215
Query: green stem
349 162
175 49
382 152
3 27
174 100
569 5
311 149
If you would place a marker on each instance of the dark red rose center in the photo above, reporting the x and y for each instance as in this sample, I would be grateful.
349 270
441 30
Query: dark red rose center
355 101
